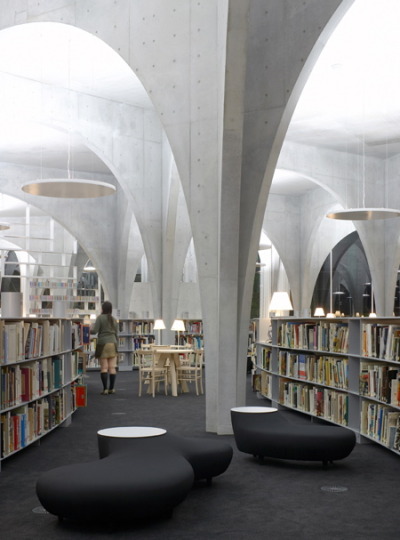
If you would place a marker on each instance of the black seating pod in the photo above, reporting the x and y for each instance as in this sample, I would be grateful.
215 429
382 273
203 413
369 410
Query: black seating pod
266 432
208 457
135 478
138 486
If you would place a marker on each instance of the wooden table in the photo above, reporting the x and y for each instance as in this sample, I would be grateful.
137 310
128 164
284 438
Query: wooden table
172 354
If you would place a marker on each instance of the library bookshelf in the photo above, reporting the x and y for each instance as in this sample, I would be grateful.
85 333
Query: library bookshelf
44 292
133 334
40 371
343 370
192 336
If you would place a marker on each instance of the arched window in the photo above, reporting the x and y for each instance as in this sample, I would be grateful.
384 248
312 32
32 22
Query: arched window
351 280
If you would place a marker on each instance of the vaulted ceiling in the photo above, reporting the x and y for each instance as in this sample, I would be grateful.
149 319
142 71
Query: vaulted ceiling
350 102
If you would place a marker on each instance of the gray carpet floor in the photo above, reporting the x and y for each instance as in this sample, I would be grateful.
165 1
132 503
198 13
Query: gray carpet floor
356 498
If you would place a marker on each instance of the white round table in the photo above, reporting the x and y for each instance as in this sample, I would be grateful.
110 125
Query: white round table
253 410
131 432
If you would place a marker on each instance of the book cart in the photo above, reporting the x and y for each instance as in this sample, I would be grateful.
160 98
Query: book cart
342 370
40 375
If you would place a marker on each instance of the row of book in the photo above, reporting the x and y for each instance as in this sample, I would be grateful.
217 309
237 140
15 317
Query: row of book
326 370
21 383
381 424
318 401
262 383
318 336
129 343
194 327
191 341
80 333
52 284
136 327
23 339
380 381
62 298
266 358
22 426
49 297
381 341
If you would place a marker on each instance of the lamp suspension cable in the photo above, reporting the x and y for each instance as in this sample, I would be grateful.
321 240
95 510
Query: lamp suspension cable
362 212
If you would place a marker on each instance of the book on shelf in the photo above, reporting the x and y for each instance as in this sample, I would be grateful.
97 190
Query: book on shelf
396 435
318 401
256 383
394 387
302 370
381 340
85 333
380 381
261 382
76 335
380 423
319 336
12 339
57 372
79 394
266 358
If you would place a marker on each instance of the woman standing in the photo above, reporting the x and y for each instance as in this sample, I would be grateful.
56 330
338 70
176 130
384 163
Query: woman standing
106 328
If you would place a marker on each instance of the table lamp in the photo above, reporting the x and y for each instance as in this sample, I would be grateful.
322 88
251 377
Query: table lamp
280 302
159 325
178 326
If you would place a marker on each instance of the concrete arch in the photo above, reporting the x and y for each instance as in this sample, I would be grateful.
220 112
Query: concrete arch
303 176
79 114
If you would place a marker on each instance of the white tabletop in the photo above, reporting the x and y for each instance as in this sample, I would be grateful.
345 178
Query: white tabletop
132 432
254 409
173 350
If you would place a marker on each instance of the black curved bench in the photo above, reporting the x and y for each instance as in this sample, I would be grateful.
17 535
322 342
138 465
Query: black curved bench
265 432
135 478
208 457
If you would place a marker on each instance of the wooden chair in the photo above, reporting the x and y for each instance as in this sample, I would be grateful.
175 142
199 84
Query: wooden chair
191 370
151 373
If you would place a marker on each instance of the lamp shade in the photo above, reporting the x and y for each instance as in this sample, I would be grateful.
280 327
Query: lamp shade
89 267
178 325
319 312
159 324
364 214
68 188
280 302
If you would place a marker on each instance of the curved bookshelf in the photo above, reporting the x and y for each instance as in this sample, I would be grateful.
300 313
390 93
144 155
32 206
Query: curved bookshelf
39 369
345 371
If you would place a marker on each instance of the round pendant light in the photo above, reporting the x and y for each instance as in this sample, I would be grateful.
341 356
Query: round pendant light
364 214
69 189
